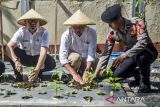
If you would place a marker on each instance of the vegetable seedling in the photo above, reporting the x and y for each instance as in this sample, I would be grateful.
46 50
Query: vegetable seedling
101 93
87 88
114 81
58 88
5 77
9 93
70 93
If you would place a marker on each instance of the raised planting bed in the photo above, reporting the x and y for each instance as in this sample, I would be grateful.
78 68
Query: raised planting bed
58 94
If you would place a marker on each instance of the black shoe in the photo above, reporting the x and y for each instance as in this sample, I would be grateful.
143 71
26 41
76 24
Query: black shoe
133 83
144 88
19 78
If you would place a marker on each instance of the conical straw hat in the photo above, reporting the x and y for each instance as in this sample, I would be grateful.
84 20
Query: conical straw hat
79 18
31 14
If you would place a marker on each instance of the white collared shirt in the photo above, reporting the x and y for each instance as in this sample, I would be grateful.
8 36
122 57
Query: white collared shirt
85 45
29 42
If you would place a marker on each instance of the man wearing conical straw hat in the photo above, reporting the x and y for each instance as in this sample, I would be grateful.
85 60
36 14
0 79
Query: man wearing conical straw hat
29 46
78 46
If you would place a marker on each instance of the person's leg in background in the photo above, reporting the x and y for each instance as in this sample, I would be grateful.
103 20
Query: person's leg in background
2 69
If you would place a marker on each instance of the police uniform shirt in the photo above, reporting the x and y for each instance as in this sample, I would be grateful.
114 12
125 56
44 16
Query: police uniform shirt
29 42
134 37
85 45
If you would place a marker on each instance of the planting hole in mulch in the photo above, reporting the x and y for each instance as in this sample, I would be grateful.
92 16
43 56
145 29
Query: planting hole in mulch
27 97
58 97
88 98
42 93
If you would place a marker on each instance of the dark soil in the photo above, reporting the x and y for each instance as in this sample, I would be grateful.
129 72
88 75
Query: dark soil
58 97
77 85
88 98
27 97
25 85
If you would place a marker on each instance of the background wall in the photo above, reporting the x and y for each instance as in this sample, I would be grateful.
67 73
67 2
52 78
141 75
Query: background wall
93 8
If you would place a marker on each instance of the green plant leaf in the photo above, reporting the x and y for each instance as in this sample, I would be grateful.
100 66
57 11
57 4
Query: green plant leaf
111 93
109 71
118 85
2 89
87 88
111 79
69 93
107 80
100 93
117 78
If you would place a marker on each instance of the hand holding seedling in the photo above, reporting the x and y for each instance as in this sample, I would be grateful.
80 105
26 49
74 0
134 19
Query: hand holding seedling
78 79
85 77
18 66
34 76
88 76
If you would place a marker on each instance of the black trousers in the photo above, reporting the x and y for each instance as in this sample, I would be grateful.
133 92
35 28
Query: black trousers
28 60
142 61
2 68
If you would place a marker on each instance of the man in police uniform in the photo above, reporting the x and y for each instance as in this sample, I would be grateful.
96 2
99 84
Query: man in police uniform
29 46
139 49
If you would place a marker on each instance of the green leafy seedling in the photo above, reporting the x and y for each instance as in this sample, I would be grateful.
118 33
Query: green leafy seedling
4 76
57 75
114 81
87 88
71 84
58 88
71 92
101 93
58 82
9 93
2 89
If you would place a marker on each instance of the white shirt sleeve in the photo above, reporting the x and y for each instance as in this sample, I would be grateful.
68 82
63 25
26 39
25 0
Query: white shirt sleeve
92 45
45 39
64 48
17 35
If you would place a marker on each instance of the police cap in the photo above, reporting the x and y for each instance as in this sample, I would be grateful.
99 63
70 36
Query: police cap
111 13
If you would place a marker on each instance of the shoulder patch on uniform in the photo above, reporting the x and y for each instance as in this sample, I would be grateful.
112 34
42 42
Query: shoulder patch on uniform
138 26
110 36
